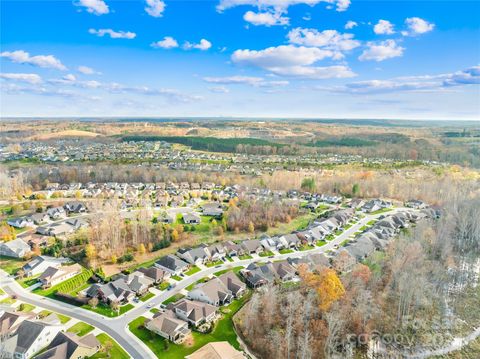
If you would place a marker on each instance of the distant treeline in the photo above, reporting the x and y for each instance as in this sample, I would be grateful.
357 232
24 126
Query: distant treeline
344 142
206 143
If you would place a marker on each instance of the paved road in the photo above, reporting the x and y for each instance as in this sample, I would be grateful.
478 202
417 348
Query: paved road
117 327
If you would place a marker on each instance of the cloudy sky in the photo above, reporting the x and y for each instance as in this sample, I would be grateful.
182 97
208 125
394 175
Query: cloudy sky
246 58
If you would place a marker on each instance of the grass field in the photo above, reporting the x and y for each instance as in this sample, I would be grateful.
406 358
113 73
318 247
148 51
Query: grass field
115 351
266 254
105 310
80 329
223 331
63 318
296 224
11 265
285 251
212 264
173 298
245 256
147 296
27 282
192 270
234 269
69 286
25 307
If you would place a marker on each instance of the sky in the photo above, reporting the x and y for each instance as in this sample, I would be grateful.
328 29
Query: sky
240 58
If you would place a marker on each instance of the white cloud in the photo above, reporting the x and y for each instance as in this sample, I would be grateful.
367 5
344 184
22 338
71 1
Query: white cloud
381 51
69 77
289 60
97 7
87 70
219 89
113 34
327 39
350 25
23 57
168 42
383 27
280 5
265 18
202 45
417 26
155 8
30 78
245 80
441 82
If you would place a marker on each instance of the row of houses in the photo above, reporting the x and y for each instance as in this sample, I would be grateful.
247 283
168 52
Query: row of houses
51 214
26 334
379 236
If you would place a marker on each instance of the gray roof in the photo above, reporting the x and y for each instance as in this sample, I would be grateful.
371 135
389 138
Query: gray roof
171 262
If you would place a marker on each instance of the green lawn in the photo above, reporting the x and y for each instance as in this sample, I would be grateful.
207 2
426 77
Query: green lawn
297 224
105 310
202 280
115 351
80 329
154 310
8 300
229 259
27 282
63 318
192 270
321 243
286 250
383 210
234 269
223 331
306 247
266 254
173 298
25 307
245 256
212 264
11 265
147 296
176 277
69 286
163 285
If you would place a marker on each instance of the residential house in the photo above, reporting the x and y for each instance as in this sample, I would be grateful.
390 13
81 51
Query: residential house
216 350
156 274
168 326
172 264
75 207
54 275
31 336
56 213
40 263
9 321
39 218
251 246
258 275
197 255
291 240
20 222
16 248
70 346
56 229
232 249
216 251
195 313
213 292
191 218
231 281
213 209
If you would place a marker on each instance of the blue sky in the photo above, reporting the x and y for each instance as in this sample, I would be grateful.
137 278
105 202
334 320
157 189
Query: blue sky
246 58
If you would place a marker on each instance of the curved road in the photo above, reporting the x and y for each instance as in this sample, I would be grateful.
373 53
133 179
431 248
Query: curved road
117 327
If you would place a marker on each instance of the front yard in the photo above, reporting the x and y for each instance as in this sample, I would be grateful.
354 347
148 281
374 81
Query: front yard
192 271
173 298
105 310
286 251
147 296
80 329
223 331
110 349
266 254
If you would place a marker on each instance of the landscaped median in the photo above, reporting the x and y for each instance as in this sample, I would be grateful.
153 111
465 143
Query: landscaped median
223 331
